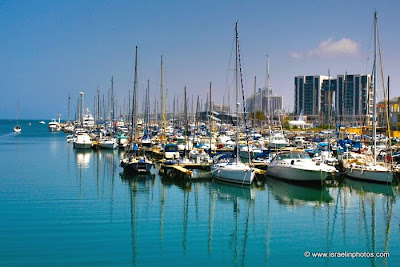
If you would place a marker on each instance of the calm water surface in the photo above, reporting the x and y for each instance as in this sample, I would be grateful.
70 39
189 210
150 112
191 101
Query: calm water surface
64 207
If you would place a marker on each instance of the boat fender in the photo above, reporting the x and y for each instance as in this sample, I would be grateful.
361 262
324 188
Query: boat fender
362 171
292 162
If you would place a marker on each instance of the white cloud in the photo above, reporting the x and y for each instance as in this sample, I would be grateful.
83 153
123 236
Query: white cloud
331 48
296 55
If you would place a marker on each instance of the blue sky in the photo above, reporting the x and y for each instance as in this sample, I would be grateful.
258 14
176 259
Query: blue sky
50 48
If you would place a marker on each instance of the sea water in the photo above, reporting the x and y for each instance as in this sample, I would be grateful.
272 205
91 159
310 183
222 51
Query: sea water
64 207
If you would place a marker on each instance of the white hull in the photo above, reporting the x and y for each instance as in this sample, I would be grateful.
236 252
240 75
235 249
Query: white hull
108 145
82 141
54 129
296 174
17 129
234 173
380 176
82 145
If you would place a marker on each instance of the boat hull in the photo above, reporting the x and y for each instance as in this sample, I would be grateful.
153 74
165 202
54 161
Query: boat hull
370 175
82 145
291 173
108 145
136 167
232 173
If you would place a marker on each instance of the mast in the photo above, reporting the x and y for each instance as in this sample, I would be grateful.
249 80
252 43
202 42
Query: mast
236 91
374 112
186 124
69 104
268 89
197 113
254 101
211 118
330 100
163 101
112 100
134 100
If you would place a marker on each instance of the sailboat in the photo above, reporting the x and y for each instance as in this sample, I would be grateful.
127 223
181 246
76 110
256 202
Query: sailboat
234 170
17 128
367 170
134 161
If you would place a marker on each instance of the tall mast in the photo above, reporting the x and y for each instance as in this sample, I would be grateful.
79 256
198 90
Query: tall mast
186 123
268 85
197 112
112 99
134 100
211 118
163 101
69 104
147 111
254 100
374 112
330 99
236 91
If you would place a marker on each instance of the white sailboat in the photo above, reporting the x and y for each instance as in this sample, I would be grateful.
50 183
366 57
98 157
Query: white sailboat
234 171
370 170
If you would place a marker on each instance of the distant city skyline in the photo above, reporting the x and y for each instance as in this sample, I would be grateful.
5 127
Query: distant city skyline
52 48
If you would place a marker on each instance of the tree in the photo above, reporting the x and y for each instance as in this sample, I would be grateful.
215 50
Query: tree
259 116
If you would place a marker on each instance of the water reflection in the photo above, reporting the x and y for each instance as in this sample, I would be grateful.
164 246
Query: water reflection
232 191
366 187
83 158
139 184
290 194
231 222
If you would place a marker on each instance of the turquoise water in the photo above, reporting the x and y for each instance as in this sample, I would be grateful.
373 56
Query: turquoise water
60 207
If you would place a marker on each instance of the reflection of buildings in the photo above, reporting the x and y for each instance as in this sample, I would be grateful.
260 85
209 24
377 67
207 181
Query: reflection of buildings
348 98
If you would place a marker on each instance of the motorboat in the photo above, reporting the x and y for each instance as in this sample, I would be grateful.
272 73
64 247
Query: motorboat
171 151
54 126
17 129
82 141
298 166
122 140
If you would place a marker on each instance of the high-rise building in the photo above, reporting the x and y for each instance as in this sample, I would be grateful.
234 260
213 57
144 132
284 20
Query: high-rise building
347 99
307 94
265 101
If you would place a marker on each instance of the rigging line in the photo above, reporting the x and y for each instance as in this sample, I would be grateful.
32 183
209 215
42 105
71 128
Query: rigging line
384 91
243 100
226 93
369 48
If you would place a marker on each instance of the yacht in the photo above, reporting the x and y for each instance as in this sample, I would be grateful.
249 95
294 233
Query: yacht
299 166
54 126
277 140
82 141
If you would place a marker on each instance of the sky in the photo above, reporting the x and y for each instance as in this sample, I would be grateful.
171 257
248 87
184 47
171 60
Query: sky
49 49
